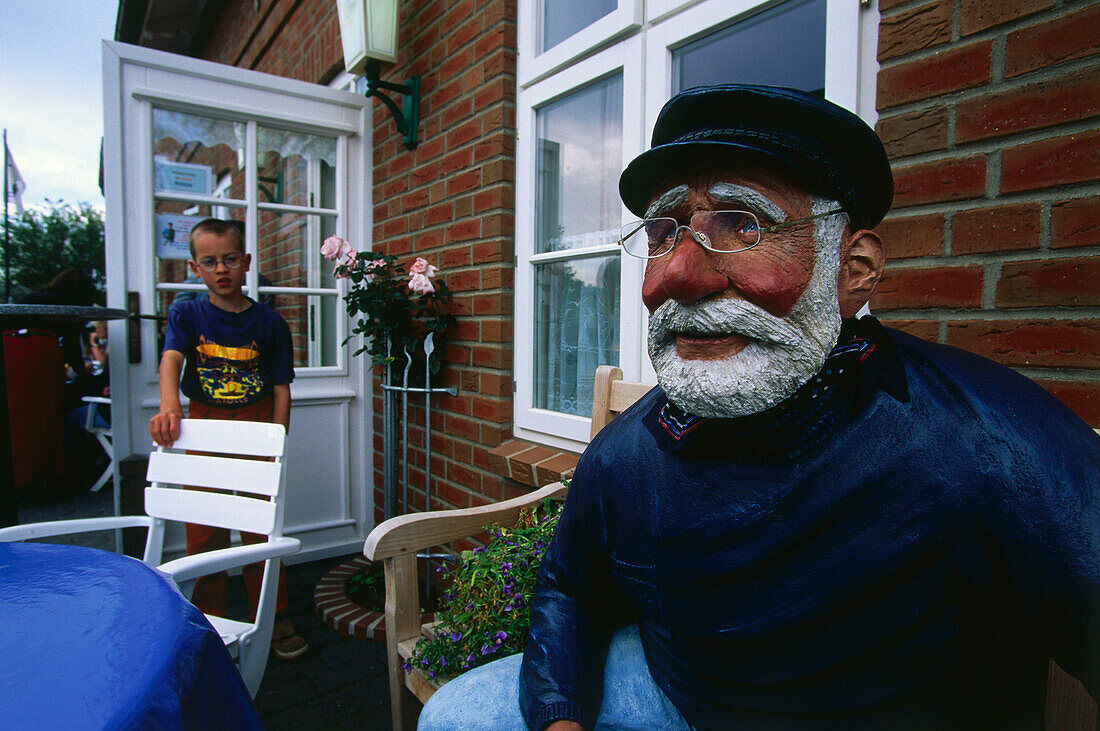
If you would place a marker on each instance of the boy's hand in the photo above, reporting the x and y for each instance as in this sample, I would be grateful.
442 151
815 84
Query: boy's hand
165 427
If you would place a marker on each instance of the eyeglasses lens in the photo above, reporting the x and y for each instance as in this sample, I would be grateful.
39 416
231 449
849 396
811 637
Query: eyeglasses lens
209 263
728 230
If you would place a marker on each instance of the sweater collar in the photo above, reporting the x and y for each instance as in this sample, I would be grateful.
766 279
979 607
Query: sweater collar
863 362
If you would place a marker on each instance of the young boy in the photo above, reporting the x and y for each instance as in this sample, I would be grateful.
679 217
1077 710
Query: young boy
239 365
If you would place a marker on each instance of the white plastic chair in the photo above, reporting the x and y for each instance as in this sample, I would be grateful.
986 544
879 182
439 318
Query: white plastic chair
103 435
257 507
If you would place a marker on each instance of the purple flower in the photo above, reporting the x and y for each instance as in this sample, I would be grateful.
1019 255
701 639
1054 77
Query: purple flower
456 636
442 661
488 649
479 549
470 658
500 636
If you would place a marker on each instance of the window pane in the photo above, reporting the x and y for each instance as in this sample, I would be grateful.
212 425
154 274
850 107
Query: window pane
562 18
289 165
192 153
580 156
759 51
311 327
290 256
576 330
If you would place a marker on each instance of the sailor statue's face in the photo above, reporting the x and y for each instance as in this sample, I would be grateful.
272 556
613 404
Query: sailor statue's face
733 334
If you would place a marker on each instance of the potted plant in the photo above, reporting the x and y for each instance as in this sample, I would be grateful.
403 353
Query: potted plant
395 311
485 612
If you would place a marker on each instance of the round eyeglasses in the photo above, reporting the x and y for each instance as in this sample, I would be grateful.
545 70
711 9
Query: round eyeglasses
724 232
210 263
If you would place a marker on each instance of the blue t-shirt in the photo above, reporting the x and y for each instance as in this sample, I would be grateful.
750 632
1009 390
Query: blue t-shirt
232 358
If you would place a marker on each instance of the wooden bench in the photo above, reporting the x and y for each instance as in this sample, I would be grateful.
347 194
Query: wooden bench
397 541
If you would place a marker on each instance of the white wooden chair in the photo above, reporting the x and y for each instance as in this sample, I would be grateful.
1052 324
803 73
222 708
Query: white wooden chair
243 456
397 541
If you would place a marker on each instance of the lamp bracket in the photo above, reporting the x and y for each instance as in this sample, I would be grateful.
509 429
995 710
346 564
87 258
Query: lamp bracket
407 116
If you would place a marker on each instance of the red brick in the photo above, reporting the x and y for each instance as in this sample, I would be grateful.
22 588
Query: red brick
491 409
463 230
1058 101
1034 343
463 134
1049 163
553 469
495 384
442 213
947 71
914 30
1003 228
909 134
1075 223
978 15
919 289
457 160
912 236
496 331
461 183
940 181
1083 397
924 329
464 281
1057 41
1053 283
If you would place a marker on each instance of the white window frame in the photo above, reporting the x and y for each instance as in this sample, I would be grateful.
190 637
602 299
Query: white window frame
625 19
641 49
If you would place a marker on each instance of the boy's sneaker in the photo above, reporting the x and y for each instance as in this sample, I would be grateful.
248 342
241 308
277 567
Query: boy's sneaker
286 643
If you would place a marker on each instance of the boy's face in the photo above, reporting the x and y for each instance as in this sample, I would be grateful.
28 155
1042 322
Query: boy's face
222 280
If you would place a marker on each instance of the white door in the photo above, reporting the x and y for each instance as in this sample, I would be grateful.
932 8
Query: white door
186 139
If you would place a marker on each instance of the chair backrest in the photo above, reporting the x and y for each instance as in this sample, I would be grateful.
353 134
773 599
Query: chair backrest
245 457
612 395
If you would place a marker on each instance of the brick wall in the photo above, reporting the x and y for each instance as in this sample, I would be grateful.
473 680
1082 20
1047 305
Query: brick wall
451 201
988 111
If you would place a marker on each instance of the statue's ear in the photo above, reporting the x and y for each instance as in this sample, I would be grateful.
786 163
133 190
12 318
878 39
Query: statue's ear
862 261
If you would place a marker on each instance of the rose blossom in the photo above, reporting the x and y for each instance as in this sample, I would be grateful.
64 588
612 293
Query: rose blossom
421 266
420 284
335 248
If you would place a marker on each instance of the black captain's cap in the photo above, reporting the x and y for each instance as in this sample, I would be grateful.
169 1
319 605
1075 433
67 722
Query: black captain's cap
824 146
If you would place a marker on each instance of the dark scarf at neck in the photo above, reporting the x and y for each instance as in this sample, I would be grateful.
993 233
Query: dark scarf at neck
862 361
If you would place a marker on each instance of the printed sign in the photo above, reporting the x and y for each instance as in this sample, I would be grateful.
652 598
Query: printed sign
184 177
172 232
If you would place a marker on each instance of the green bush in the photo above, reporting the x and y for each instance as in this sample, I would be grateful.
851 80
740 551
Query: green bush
486 610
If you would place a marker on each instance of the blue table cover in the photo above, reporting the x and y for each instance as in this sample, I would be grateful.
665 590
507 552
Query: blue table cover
94 640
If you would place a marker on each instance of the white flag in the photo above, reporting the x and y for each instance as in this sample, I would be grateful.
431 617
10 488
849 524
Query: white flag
16 184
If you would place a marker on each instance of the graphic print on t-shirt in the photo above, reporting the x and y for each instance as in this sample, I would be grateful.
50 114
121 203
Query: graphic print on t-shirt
228 374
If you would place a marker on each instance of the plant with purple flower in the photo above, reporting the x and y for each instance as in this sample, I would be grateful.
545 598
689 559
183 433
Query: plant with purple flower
486 608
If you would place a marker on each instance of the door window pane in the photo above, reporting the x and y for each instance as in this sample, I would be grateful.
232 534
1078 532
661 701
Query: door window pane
562 18
580 156
288 165
314 340
576 330
784 46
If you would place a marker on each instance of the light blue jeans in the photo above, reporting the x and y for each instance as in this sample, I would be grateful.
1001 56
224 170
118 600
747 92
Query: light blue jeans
487 698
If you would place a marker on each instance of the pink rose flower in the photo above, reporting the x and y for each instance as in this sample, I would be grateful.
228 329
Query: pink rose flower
420 284
421 266
335 248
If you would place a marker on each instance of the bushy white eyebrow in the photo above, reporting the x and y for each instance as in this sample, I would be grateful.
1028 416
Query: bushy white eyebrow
744 195
667 201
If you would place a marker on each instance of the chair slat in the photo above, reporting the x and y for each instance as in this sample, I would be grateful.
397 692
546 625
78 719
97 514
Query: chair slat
625 393
224 473
253 438
210 508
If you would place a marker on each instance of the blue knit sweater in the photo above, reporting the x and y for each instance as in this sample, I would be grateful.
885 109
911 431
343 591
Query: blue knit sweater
902 544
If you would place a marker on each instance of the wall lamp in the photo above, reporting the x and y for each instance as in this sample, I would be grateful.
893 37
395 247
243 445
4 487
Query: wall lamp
368 32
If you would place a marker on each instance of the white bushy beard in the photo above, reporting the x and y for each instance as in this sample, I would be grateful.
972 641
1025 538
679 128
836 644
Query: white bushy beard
783 354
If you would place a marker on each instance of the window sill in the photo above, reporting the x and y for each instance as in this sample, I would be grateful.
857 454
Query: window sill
533 465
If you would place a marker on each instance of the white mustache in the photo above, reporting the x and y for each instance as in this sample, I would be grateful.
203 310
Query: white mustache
721 317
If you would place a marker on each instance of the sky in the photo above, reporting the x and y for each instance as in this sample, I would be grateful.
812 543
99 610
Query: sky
51 89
